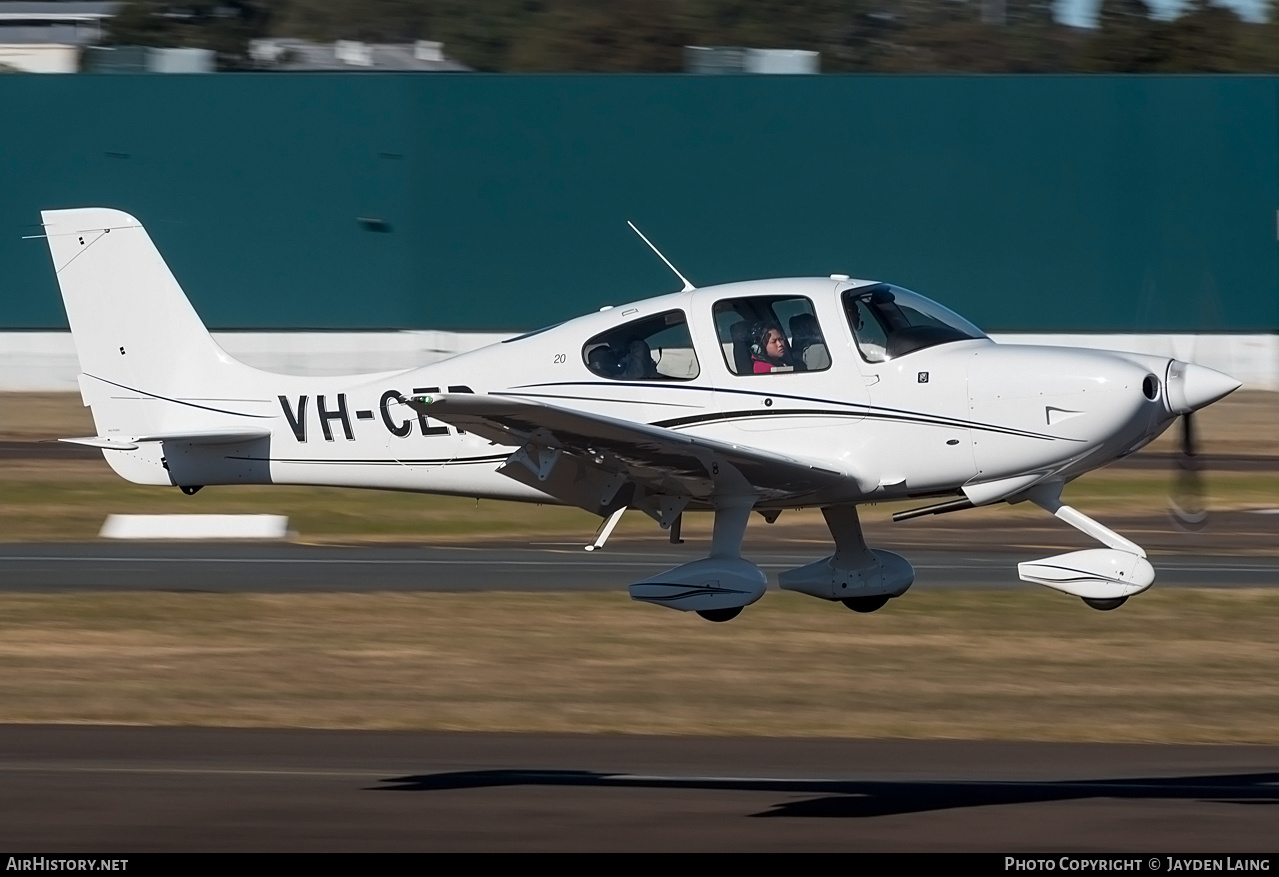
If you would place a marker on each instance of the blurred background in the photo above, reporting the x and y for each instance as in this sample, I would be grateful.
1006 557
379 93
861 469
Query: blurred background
655 36
362 186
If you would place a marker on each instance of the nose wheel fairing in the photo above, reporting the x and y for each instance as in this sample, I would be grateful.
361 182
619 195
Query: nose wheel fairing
1096 574
1103 577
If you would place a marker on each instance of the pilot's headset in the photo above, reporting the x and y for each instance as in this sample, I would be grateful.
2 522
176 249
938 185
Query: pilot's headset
759 334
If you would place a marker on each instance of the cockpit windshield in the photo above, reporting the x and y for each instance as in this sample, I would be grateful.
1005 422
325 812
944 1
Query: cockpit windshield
889 322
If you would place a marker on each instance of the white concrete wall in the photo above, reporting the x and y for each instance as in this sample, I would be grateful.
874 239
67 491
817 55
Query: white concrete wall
40 58
46 361
1253 359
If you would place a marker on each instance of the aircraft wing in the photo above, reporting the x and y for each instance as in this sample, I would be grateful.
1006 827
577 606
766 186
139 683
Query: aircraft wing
588 459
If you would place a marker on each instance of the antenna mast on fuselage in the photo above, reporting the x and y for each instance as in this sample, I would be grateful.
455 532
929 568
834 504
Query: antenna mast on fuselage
688 287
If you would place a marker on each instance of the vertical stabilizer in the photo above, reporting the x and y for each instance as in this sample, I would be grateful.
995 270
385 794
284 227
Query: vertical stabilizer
131 322
148 363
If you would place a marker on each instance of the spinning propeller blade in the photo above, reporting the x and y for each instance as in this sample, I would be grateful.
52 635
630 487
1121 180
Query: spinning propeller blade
1186 502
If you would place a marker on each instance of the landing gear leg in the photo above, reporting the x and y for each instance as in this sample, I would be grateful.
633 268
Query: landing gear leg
606 530
730 528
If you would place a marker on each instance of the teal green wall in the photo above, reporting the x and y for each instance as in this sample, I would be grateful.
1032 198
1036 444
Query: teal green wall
1050 203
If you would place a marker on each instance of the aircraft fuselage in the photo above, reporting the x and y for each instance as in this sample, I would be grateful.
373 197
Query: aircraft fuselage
924 423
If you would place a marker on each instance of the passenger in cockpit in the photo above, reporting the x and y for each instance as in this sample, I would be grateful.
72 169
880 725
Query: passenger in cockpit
637 362
771 352
603 361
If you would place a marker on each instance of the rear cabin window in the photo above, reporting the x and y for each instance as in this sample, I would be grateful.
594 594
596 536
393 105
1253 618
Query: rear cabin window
657 348
770 335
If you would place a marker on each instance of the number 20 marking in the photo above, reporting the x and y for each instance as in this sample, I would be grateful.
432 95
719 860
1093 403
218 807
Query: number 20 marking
559 359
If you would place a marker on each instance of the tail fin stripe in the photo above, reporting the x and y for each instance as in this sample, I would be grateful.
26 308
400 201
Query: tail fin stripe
183 402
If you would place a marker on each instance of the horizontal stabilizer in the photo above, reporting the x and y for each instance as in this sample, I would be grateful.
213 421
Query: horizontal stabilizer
195 437
98 441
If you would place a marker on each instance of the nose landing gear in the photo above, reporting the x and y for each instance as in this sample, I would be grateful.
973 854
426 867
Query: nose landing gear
1104 578
1106 605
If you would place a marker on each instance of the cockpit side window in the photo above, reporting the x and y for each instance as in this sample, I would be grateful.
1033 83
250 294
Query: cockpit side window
889 322
770 334
656 348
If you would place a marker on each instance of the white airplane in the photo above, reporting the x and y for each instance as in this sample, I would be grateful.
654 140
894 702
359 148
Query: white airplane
758 396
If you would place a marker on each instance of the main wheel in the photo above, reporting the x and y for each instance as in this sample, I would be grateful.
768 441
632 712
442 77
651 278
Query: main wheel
1105 605
720 614
866 604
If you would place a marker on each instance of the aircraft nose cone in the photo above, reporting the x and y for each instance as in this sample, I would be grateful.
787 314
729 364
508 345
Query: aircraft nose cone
1191 387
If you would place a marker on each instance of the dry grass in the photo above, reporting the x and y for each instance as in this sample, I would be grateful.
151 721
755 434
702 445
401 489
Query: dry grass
43 500
38 416
1178 665
53 499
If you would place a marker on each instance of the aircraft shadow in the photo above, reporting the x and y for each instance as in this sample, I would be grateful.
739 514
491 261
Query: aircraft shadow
860 800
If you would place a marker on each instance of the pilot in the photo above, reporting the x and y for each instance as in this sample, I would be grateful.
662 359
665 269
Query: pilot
770 352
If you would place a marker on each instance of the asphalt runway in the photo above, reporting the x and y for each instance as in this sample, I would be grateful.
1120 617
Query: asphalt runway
285 568
130 790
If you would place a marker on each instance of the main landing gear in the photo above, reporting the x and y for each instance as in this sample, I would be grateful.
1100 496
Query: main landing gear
715 587
863 579
718 587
